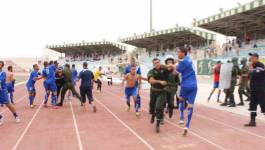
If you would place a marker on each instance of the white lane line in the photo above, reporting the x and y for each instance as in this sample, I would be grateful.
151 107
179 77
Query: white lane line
200 137
226 125
76 128
26 129
125 125
195 134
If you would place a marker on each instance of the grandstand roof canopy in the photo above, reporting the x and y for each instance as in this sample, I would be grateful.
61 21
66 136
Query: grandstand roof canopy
86 47
247 18
177 36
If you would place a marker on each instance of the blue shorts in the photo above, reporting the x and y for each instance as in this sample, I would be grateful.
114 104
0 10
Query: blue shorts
50 86
10 88
130 92
216 84
31 89
4 97
189 94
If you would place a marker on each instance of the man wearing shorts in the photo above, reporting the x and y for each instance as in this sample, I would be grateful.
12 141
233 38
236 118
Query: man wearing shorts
4 95
10 83
133 82
34 76
216 78
188 85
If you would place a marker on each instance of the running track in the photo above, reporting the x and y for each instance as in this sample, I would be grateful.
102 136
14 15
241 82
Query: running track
71 128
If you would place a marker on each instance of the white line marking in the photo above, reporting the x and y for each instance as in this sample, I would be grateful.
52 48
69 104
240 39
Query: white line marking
76 128
27 128
125 125
200 137
227 125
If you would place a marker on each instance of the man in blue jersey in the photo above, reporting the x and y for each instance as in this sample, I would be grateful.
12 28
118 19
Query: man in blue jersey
132 63
188 84
49 84
74 79
4 95
10 83
34 76
86 86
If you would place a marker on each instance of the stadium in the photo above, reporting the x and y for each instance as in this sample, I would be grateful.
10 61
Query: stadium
235 34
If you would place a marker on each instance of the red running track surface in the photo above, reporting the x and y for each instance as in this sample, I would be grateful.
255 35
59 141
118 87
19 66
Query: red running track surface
112 127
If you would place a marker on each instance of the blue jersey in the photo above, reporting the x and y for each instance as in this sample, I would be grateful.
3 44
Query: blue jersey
49 73
187 71
2 80
86 77
128 70
31 82
74 74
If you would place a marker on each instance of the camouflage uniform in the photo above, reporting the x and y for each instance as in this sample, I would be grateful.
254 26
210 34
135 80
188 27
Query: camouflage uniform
243 84
230 91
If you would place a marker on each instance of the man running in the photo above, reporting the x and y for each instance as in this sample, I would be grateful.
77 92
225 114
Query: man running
68 85
49 83
157 77
34 76
188 85
132 89
4 95
172 85
86 86
109 76
216 78
97 75
10 83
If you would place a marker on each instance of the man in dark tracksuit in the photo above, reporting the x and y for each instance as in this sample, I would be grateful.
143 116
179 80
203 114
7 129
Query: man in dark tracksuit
68 85
86 86
157 77
59 79
257 88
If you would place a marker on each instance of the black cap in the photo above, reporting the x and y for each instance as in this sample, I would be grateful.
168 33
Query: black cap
254 54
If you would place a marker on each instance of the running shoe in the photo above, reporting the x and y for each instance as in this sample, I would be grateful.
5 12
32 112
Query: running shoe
181 122
32 106
17 119
185 132
137 114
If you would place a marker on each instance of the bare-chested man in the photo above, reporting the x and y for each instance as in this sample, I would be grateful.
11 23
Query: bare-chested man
10 83
133 83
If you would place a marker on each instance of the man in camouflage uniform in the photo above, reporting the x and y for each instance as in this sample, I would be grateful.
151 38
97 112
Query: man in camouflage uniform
157 77
172 85
243 82
230 92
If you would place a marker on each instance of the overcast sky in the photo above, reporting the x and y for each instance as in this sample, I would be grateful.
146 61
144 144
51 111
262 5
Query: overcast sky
26 26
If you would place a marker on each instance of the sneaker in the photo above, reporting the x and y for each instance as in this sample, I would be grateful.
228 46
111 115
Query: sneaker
32 106
232 105
17 119
224 104
94 109
185 132
60 104
137 114
1 121
181 122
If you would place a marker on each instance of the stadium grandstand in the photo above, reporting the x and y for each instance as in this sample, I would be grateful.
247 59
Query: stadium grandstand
245 22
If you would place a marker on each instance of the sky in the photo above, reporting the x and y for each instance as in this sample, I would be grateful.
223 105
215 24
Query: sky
27 26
